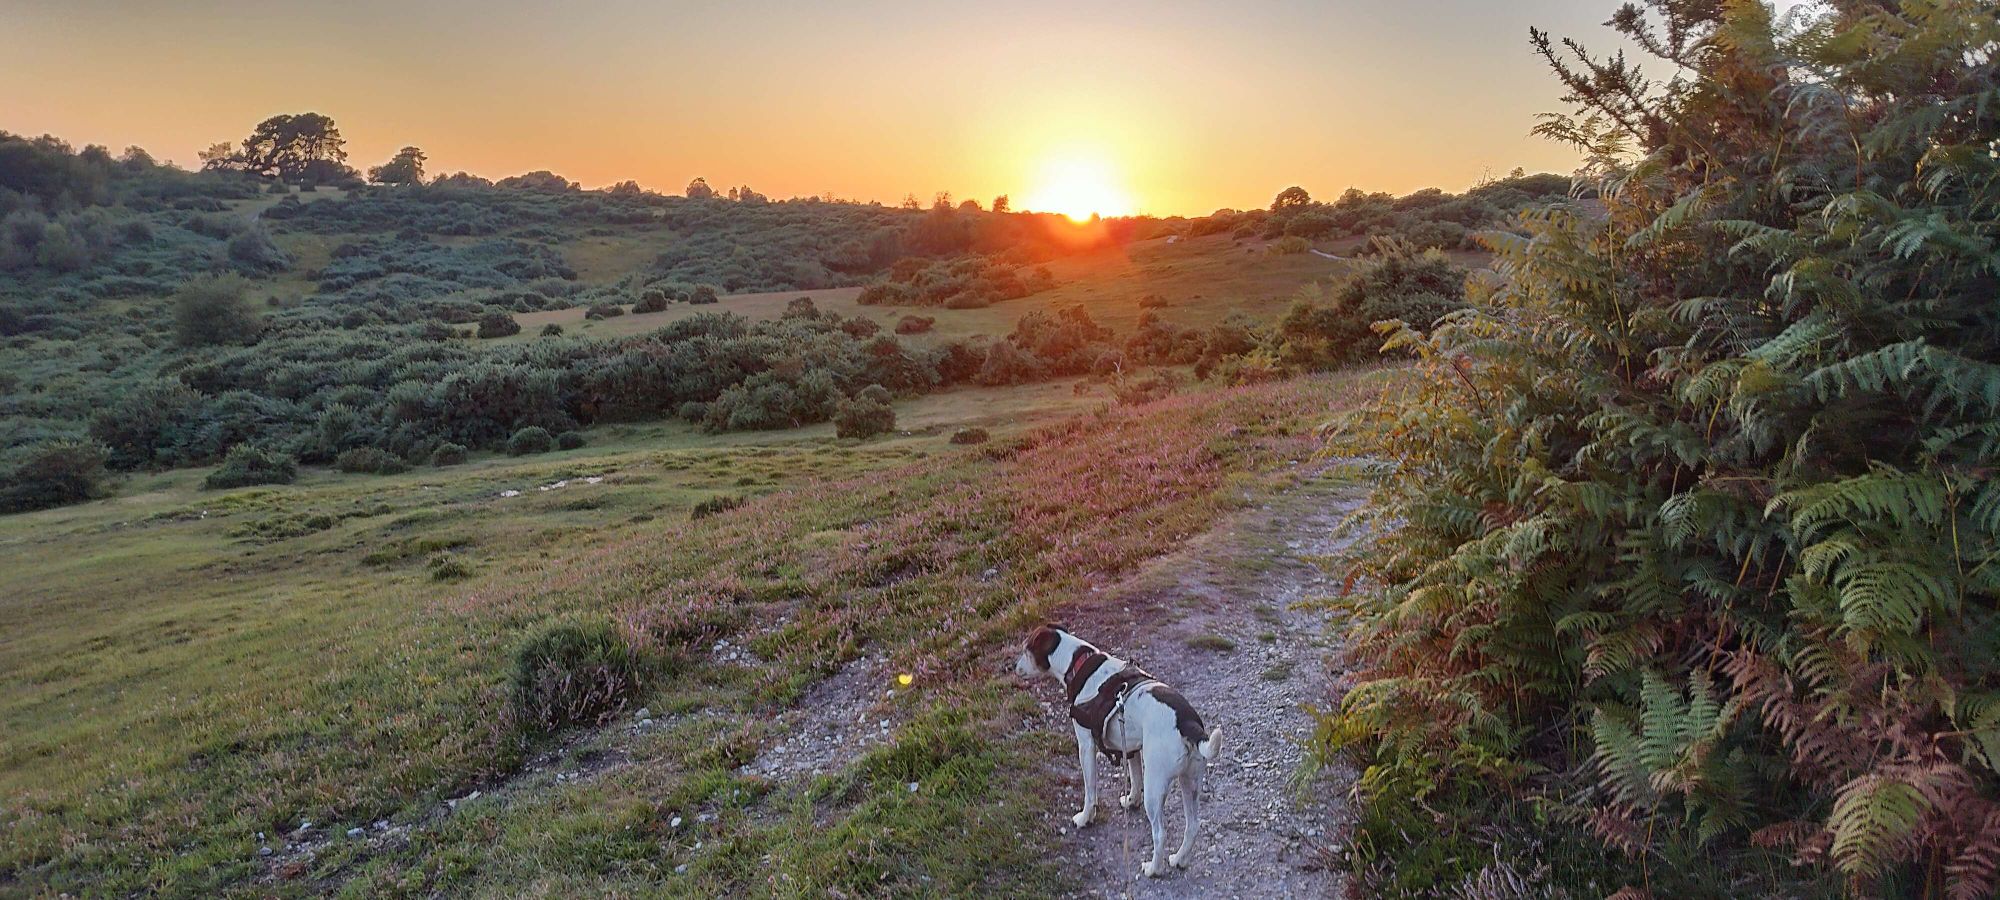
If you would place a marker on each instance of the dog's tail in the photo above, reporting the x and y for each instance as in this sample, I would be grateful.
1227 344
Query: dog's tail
1211 746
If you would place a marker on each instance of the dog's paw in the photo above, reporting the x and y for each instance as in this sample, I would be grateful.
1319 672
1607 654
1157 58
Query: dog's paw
1177 860
1152 870
1081 819
1129 800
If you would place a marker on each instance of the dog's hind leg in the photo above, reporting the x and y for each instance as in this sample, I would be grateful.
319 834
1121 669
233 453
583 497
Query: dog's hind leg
1133 768
1086 754
1190 807
1158 774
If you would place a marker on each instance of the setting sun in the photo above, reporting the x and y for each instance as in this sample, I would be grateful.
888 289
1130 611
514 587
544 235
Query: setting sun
1078 187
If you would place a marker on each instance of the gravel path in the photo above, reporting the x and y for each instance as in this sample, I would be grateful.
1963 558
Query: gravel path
1262 833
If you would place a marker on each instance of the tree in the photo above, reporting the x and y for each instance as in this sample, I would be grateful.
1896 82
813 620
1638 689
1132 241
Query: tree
1002 204
1291 198
222 158
698 189
305 148
215 310
406 167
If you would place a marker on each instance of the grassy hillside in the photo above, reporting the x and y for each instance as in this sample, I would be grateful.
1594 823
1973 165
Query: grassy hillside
1195 282
198 669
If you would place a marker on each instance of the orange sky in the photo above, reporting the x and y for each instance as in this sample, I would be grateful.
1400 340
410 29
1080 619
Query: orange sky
1164 108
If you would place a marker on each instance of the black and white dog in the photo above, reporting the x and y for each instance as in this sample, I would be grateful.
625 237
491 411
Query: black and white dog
1119 710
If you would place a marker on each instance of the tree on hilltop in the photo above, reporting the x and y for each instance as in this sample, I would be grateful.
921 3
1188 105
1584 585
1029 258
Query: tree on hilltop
306 147
406 167
1291 198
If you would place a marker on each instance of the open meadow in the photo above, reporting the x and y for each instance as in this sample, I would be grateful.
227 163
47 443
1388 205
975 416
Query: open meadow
202 669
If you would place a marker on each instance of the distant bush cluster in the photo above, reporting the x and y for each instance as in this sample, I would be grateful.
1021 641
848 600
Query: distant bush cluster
1427 219
969 282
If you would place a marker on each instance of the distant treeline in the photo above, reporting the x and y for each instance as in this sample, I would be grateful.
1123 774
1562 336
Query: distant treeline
151 318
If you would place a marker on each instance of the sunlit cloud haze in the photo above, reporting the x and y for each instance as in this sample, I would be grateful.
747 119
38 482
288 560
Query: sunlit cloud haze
1163 108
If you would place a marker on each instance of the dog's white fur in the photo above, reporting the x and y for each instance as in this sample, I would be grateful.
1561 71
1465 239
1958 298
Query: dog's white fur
1144 724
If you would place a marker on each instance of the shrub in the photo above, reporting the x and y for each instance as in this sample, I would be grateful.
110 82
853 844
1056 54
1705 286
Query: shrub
1288 246
216 310
703 293
252 253
714 505
247 465
604 311
448 454
1691 526
530 440
1152 301
969 436
552 330
499 324
864 415
914 324
570 440
652 301
370 461
53 473
572 673
448 567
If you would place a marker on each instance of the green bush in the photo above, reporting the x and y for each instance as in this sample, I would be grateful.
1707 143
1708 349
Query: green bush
216 310
552 330
499 324
865 414
530 440
703 293
448 454
570 440
572 673
652 301
53 473
247 465
370 461
970 436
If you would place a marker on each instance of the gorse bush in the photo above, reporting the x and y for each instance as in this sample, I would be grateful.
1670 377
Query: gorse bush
370 461
572 673
248 465
530 440
1693 512
865 414
52 473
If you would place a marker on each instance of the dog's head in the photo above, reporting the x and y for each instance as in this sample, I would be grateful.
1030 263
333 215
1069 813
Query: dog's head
1043 643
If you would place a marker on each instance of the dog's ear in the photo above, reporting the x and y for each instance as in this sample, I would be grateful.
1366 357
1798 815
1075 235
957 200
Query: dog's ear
1043 642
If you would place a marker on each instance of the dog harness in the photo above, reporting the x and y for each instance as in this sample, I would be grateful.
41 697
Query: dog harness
1096 713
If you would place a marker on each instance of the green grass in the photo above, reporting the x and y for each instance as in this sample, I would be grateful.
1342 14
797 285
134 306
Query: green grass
1214 642
192 668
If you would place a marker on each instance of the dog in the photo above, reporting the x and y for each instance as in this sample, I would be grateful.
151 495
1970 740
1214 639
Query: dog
1128 715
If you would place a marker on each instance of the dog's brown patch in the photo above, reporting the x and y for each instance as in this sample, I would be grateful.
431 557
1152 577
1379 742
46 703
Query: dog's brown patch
1043 642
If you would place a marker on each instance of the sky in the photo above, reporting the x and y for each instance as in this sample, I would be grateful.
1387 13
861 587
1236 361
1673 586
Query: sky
1163 107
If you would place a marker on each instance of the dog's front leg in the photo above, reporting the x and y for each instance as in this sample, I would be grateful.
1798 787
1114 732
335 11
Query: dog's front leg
1086 760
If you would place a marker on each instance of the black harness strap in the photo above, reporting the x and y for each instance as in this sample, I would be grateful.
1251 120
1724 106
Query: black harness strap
1095 713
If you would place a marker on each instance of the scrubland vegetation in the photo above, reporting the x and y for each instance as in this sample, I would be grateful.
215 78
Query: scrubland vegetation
1685 581
419 535
318 669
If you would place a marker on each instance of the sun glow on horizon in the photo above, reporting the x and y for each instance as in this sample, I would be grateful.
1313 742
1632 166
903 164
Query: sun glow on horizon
1079 186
